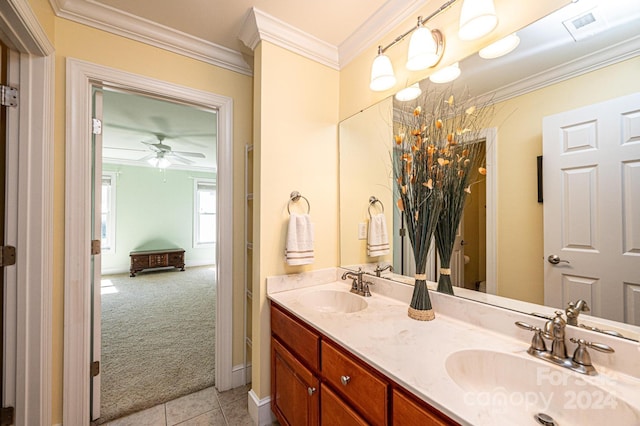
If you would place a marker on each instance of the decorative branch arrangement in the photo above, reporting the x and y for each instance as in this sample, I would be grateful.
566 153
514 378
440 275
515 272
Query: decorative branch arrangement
437 157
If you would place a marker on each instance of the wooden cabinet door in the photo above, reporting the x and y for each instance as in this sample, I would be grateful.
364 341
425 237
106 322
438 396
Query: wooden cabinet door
334 411
407 412
294 389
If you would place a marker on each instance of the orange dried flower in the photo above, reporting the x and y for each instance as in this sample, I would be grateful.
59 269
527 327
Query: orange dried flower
400 205
417 111
482 171
438 124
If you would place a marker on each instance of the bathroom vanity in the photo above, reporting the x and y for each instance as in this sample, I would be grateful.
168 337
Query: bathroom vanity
341 358
316 381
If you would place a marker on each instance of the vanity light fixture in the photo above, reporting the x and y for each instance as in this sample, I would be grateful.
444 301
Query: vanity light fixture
382 76
477 18
425 47
500 47
446 74
409 93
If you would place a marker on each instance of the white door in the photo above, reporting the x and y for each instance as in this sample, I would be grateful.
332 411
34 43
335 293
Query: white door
591 193
96 259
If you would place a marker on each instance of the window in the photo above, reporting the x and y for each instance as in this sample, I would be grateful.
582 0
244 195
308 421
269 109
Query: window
205 213
108 226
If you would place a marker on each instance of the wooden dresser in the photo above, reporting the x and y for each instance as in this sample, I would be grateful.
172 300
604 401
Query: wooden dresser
148 259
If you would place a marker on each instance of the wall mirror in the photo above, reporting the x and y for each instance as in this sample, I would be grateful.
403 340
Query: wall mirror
583 54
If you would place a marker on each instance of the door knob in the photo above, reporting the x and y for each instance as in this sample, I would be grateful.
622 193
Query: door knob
311 390
345 380
554 259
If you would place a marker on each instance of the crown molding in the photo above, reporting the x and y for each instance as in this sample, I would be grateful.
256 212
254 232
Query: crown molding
22 28
381 23
106 18
595 60
260 26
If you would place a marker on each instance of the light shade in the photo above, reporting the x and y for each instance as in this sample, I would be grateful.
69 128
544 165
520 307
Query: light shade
500 47
159 162
446 74
423 50
477 18
409 93
382 76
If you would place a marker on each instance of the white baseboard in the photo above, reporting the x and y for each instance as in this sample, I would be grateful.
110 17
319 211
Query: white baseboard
260 410
237 376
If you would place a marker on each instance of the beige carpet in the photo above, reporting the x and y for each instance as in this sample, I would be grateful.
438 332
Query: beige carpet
157 338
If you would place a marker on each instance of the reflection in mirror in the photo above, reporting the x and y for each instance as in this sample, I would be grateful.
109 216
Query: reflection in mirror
556 68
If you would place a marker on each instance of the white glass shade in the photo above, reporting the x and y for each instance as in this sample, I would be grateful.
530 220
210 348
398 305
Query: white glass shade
477 18
446 74
382 76
500 47
159 162
423 50
409 93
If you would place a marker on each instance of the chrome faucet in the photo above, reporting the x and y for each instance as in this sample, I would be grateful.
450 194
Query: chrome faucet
378 269
358 285
554 330
574 309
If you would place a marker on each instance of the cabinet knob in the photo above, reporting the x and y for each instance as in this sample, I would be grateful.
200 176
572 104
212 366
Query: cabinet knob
345 380
311 390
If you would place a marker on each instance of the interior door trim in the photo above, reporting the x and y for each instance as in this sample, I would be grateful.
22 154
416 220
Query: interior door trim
80 77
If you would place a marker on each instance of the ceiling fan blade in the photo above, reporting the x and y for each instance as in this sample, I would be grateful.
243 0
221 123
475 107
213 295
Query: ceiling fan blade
178 158
190 154
147 157
124 149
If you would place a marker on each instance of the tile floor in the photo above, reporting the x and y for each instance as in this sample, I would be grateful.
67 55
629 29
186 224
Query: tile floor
205 408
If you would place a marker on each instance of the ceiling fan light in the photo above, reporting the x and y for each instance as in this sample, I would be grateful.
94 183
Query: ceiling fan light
423 50
446 74
500 47
382 76
477 18
159 162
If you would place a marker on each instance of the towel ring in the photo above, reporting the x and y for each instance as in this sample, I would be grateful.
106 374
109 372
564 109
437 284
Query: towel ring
294 198
372 201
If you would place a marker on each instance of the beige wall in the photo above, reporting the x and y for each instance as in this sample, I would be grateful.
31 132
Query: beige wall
296 148
520 216
72 40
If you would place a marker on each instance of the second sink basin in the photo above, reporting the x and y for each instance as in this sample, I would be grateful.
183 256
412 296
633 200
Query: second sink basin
333 301
515 389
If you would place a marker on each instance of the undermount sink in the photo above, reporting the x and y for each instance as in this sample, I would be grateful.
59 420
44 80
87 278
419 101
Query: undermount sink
333 301
514 390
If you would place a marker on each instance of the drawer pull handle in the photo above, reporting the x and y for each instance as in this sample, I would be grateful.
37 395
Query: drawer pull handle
345 380
311 390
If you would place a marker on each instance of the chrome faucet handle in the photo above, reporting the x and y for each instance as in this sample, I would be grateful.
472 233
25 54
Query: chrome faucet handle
537 342
365 288
581 355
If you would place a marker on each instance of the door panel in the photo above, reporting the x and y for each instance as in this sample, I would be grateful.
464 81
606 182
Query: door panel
96 231
592 208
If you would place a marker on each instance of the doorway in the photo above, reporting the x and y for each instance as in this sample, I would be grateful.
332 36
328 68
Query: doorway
81 77
154 280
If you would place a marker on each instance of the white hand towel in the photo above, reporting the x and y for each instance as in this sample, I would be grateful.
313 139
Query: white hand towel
378 239
299 245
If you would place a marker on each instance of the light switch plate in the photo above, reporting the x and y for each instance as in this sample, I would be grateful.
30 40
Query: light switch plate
362 231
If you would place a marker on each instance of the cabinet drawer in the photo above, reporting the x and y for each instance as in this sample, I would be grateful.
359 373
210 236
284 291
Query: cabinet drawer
158 260
360 388
334 411
407 412
140 261
176 259
300 340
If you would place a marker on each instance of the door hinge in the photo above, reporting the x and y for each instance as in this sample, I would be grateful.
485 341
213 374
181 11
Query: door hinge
7 255
96 125
95 368
8 96
95 247
6 415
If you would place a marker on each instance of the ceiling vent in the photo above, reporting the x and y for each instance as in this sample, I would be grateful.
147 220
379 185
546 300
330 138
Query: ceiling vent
586 24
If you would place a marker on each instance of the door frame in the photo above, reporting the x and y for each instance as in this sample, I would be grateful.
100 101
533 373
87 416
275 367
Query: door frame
80 77
30 222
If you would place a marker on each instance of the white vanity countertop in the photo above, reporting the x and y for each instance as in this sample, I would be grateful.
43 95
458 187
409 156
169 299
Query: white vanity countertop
412 353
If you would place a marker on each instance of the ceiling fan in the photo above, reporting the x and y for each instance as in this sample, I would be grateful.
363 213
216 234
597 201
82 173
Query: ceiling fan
163 156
